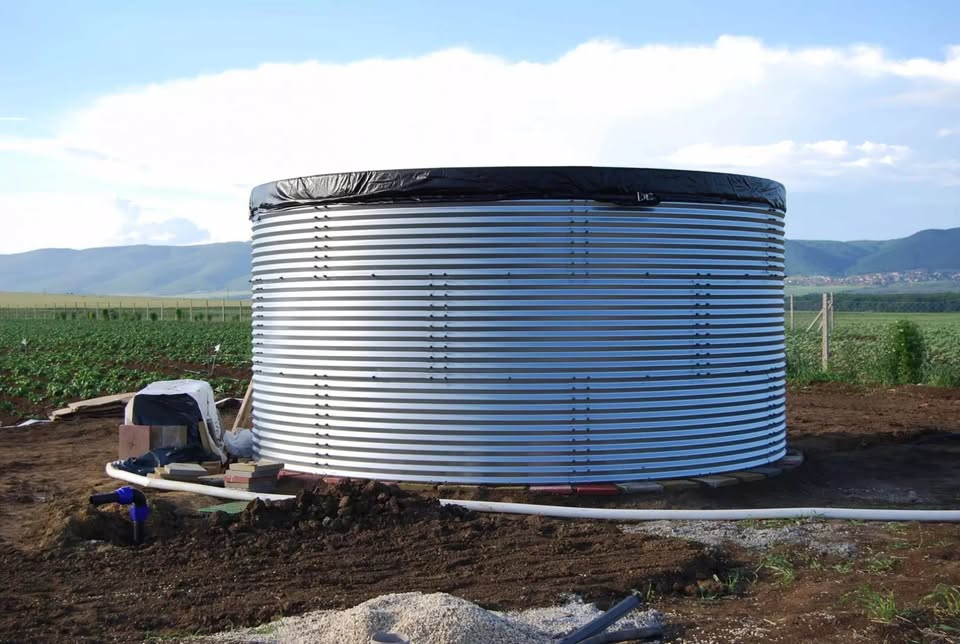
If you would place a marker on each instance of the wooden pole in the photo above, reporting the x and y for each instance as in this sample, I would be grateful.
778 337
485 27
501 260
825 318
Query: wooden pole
825 334
206 309
223 310
191 310
791 313
831 311
246 408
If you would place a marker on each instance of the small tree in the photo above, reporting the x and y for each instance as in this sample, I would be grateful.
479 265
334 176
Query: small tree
903 353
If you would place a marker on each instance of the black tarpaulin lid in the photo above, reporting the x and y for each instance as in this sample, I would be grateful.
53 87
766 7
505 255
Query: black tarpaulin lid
624 186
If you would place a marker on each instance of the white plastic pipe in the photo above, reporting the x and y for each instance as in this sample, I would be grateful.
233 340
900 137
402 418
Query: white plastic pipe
566 512
198 488
613 514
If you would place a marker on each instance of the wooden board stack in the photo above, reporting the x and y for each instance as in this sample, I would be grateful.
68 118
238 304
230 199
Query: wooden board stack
259 476
188 472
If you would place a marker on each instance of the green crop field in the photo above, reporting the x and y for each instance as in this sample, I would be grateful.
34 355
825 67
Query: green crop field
857 347
45 363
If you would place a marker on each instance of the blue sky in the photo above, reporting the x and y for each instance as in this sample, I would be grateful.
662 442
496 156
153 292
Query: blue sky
148 123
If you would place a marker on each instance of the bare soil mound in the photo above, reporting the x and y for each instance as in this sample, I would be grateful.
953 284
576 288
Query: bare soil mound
333 546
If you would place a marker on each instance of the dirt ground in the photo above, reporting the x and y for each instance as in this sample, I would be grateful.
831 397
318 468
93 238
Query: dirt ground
70 574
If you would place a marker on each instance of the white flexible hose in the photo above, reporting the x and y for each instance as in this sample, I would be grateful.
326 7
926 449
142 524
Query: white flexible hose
183 486
566 512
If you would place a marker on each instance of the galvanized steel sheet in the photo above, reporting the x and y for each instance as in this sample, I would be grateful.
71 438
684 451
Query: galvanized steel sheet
519 341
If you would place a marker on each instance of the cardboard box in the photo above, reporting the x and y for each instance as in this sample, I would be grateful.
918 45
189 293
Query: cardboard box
134 441
137 440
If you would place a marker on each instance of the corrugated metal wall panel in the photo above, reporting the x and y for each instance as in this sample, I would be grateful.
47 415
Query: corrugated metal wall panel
519 342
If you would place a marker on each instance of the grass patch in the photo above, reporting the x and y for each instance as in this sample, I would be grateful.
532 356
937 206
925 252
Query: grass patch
780 566
944 601
879 563
896 528
879 606
901 544
731 583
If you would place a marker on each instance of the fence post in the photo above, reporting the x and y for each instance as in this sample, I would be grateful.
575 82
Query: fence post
831 311
223 310
825 334
206 311
791 313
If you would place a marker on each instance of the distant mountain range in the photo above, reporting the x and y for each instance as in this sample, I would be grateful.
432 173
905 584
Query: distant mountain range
928 250
213 270
223 270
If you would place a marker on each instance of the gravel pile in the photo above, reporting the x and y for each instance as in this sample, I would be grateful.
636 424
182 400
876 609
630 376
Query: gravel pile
435 618
560 620
827 538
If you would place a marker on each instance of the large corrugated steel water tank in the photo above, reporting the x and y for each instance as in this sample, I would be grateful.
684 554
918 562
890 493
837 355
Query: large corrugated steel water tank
519 325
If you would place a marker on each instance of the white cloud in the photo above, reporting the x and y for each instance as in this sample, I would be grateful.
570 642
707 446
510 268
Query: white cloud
790 160
947 131
86 220
872 60
734 104
44 220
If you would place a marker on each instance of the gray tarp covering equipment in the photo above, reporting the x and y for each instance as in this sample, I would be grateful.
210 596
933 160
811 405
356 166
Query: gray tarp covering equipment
622 186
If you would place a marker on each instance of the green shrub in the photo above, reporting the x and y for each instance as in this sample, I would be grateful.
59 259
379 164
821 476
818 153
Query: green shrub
902 352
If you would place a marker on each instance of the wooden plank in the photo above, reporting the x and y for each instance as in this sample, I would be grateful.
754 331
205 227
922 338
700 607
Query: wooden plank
246 409
825 335
204 436
102 400
66 412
